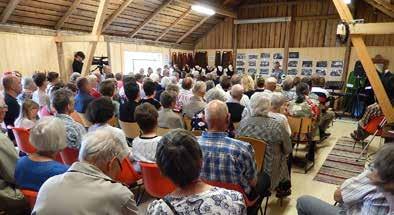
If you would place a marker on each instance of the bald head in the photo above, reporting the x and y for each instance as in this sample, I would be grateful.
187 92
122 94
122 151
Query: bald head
270 84
216 116
237 92
187 83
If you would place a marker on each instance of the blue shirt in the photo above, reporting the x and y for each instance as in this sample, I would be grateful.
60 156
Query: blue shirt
227 160
32 174
82 99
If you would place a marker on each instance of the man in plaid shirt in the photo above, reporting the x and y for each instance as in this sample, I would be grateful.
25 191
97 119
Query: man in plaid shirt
229 160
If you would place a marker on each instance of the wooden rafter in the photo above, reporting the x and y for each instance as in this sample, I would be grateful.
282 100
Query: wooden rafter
366 60
5 15
68 13
116 13
192 29
97 29
150 18
174 24
219 9
384 6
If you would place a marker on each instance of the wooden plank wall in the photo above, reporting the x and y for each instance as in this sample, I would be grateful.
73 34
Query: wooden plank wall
220 37
315 26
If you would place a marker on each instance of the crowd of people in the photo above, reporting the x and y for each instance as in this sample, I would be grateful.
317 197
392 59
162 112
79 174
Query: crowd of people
221 107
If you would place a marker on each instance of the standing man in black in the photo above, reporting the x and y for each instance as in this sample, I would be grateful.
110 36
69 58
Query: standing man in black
12 88
79 57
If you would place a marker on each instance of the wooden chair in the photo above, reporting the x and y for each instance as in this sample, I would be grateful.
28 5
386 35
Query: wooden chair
131 129
22 140
85 122
77 118
187 122
259 147
197 133
162 131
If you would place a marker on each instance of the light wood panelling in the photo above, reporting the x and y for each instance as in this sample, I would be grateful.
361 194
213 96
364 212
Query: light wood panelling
220 37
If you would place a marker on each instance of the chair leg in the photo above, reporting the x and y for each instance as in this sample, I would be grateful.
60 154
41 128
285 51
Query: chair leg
140 197
266 205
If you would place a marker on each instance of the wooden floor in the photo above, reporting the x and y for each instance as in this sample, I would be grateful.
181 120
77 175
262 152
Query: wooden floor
303 184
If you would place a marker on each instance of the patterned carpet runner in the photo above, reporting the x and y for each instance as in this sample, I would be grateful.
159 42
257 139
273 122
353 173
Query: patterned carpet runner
341 163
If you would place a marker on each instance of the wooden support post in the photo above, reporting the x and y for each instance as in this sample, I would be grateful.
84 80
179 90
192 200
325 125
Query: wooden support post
235 46
193 29
346 62
369 67
288 38
5 15
64 75
109 54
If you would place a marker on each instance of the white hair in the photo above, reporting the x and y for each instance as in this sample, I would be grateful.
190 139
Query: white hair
74 76
260 104
195 73
165 81
101 146
154 77
215 94
92 78
271 80
48 135
277 99
199 87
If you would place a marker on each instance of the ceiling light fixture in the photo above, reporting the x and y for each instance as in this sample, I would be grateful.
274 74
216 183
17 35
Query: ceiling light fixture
203 10
348 1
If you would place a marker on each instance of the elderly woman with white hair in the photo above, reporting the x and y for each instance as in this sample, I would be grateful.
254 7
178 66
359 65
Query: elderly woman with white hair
48 136
89 186
196 102
278 100
93 82
260 126
28 88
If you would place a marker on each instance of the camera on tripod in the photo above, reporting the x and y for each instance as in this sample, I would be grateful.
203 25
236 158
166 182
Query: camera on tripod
100 62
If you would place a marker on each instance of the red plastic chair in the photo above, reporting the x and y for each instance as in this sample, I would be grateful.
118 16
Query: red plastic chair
31 197
373 125
69 156
128 175
22 140
155 184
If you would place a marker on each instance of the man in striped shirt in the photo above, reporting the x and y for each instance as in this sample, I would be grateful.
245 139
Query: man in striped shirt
371 192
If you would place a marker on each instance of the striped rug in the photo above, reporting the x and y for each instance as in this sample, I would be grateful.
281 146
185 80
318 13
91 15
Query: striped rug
341 163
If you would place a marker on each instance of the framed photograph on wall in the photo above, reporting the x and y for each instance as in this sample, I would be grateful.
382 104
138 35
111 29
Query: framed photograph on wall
293 63
306 72
321 64
292 71
278 56
321 71
265 55
307 64
294 55
337 64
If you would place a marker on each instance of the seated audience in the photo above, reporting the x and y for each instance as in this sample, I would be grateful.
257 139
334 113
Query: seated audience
144 146
108 88
167 117
28 88
12 200
62 101
12 88
185 92
301 107
260 84
234 107
260 126
229 160
196 102
48 136
210 84
128 104
150 93
277 111
236 79
371 192
83 98
40 95
317 86
28 114
270 84
92 79
53 79
287 85
100 113
90 185
179 158
248 85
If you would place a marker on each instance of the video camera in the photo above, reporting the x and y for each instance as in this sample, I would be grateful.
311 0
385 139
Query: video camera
100 61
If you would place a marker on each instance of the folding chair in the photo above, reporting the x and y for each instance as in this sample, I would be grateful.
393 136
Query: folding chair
131 129
85 122
163 131
378 131
259 147
187 122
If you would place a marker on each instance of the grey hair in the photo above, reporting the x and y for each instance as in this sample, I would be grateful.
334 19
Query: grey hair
48 135
277 99
287 83
154 77
384 163
210 84
74 77
92 78
28 83
260 104
165 81
101 146
215 94
199 87
173 88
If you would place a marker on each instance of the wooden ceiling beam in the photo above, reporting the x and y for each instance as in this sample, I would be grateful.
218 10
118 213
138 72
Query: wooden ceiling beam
150 18
116 13
219 9
192 29
8 10
68 13
281 3
174 23
383 6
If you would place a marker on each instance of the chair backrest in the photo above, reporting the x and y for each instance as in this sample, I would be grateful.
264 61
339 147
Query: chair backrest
229 186
131 129
163 131
22 140
76 117
155 184
69 155
128 175
188 123
30 196
373 124
300 125
85 122
259 147
197 133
